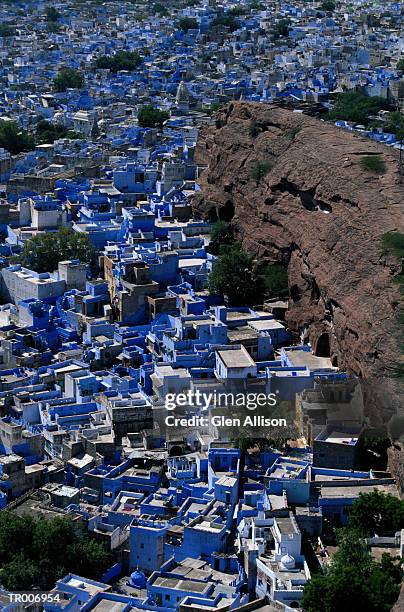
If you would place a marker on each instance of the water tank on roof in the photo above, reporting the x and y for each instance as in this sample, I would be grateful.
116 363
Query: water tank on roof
288 562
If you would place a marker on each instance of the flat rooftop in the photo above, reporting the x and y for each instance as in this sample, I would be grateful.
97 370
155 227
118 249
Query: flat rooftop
85 586
168 370
204 524
277 502
297 574
191 263
7 459
65 491
199 322
340 437
197 508
265 325
73 367
349 492
242 333
290 373
34 279
171 224
80 463
106 605
287 469
36 467
182 585
286 525
330 478
236 358
307 359
227 481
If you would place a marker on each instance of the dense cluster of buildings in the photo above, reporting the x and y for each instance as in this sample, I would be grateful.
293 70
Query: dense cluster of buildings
260 51
88 359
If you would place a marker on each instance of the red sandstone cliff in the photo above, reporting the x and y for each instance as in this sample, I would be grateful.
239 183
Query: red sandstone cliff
319 211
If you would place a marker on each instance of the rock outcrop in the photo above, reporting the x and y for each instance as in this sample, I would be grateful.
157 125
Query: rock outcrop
295 191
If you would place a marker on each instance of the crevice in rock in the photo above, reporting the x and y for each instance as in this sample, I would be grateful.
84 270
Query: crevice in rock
307 197
337 198
323 345
226 212
315 291
295 293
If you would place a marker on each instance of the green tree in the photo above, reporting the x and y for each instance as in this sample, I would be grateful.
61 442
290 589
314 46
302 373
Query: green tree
47 132
275 280
43 252
373 163
293 132
45 533
160 9
259 170
257 6
19 573
52 14
226 20
395 124
14 139
123 60
53 27
353 581
44 550
281 28
237 11
13 529
188 23
393 243
213 109
216 106
221 236
6 30
87 557
328 5
357 107
377 513
232 276
400 64
151 117
68 78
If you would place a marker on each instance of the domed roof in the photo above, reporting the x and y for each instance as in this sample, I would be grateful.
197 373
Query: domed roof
288 561
85 101
138 579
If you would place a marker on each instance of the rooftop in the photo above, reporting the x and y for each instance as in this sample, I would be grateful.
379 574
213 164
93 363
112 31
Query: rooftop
236 358
308 360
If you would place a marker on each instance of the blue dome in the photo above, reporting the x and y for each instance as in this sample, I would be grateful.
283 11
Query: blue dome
138 579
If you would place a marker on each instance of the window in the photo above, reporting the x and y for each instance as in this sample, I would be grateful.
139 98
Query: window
167 598
142 545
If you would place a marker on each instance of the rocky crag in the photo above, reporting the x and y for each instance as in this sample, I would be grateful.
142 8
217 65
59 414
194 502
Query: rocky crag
296 191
